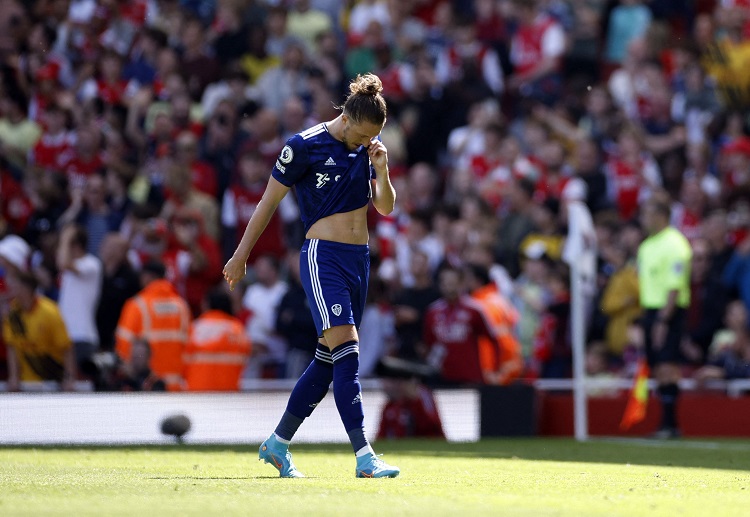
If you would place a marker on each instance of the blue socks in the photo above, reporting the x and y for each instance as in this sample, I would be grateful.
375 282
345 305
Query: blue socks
310 389
348 394
341 366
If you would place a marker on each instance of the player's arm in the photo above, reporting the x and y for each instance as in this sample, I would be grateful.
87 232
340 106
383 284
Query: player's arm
234 270
290 167
383 193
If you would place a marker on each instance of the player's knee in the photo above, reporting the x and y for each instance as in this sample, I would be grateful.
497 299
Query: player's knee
339 334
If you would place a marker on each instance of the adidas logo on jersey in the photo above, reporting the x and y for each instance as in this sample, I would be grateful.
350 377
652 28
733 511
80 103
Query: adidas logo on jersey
330 161
357 399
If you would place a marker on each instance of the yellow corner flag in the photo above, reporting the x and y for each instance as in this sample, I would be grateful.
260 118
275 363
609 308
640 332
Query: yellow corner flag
635 411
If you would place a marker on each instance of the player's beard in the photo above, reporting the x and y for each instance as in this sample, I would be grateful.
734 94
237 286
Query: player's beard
345 140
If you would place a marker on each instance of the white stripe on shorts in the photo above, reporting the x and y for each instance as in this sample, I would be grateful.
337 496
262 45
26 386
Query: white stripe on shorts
312 262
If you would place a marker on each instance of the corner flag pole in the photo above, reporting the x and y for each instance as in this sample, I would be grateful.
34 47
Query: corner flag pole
580 254
578 331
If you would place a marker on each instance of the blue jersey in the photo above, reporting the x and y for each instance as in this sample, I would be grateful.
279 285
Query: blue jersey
328 177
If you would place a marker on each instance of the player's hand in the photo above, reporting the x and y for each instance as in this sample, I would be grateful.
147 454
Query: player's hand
234 271
378 155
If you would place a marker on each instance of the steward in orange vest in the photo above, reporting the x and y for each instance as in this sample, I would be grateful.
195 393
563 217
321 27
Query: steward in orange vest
160 316
218 348
502 365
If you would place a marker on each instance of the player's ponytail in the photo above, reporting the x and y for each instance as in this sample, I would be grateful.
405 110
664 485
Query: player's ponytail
365 102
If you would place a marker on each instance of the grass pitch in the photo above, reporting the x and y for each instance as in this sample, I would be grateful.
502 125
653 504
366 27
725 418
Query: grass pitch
535 477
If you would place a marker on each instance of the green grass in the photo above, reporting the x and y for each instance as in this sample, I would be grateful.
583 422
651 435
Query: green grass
495 477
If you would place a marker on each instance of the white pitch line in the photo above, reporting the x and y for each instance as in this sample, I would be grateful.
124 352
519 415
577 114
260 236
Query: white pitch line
677 444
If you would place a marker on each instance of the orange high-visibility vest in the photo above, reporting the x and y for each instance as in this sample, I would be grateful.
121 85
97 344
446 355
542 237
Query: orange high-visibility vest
162 317
501 318
217 352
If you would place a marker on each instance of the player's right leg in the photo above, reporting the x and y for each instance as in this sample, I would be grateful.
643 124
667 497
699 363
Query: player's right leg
277 454
310 389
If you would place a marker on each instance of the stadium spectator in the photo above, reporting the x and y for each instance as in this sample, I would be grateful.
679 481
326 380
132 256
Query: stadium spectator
504 364
38 346
466 55
180 193
221 142
627 21
15 207
80 289
588 167
730 350
410 410
516 224
136 373
708 300
546 237
160 316
620 298
552 341
410 305
55 142
90 209
530 297
217 349
305 21
363 13
453 326
120 282
289 79
192 257
198 67
262 299
536 51
716 234
202 174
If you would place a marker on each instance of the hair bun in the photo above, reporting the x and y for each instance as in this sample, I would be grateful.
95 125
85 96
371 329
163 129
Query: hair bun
368 84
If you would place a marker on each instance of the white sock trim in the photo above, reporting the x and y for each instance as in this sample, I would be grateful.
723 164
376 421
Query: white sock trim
364 451
281 440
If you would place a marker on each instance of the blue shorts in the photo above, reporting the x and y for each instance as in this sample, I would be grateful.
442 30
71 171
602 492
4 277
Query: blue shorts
334 276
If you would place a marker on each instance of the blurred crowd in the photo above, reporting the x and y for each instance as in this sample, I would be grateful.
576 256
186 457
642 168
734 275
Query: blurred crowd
137 137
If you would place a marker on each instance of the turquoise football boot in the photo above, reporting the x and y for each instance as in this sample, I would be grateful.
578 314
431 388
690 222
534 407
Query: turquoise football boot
371 466
273 452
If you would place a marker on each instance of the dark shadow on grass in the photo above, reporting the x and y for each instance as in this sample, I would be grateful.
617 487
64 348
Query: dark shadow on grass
211 478
713 454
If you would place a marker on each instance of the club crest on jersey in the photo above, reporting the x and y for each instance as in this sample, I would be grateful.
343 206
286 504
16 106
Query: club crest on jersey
286 155
322 179
336 309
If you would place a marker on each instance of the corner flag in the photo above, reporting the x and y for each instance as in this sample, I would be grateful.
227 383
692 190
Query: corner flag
635 411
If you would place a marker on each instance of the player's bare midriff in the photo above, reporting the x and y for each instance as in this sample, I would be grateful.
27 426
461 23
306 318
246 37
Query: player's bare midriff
346 227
